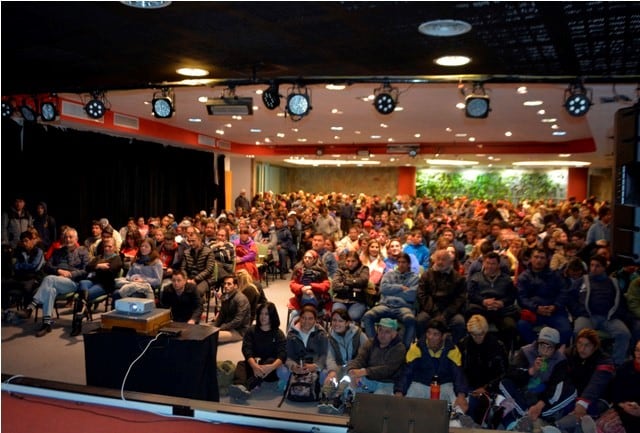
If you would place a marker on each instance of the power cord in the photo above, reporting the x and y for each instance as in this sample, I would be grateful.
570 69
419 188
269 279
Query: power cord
136 360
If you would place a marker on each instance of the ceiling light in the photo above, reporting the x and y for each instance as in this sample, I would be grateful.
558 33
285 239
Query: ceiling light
450 162
27 109
49 108
162 104
577 100
453 60
444 28
192 72
96 107
477 103
271 97
335 86
551 163
146 4
319 151
298 102
385 99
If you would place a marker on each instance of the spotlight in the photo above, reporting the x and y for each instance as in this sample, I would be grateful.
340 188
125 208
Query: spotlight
271 97
577 100
49 109
477 103
96 107
386 98
319 151
298 102
28 111
8 108
162 104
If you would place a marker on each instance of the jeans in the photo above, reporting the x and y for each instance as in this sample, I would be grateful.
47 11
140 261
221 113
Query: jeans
403 314
558 321
93 290
52 286
420 390
355 309
614 327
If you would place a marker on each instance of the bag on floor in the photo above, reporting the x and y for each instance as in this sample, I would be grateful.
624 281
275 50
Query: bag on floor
304 387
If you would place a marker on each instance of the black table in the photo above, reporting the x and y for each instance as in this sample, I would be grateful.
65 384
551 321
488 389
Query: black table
183 366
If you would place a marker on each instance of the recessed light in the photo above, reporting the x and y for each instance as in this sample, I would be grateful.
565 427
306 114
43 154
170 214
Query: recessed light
461 135
461 105
532 103
302 140
337 128
203 99
220 131
417 135
564 155
508 134
444 28
542 112
453 60
280 135
472 139
195 120
375 137
192 72
255 130
522 90
559 133
549 120
335 86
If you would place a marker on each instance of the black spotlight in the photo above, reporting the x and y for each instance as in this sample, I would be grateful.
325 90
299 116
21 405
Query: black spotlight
577 100
477 104
271 97
298 103
96 106
28 111
386 98
7 108
49 109
162 104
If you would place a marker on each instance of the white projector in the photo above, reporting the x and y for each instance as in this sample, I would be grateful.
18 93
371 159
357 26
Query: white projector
134 305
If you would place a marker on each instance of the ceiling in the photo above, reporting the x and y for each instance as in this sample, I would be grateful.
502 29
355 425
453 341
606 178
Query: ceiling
73 48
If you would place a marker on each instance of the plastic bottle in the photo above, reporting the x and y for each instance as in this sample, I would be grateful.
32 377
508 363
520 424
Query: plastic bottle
435 388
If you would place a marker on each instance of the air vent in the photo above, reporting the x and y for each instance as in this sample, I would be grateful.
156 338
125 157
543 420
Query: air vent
206 140
126 121
225 145
230 106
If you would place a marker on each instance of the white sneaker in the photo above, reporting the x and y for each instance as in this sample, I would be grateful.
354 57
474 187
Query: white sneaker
239 392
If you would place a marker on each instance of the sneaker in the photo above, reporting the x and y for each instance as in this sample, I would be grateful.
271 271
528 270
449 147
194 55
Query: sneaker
588 424
44 330
239 392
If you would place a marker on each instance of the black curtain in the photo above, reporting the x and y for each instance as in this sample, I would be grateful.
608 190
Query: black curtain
221 202
85 175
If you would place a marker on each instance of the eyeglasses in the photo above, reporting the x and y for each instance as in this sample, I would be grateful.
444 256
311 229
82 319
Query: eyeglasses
544 345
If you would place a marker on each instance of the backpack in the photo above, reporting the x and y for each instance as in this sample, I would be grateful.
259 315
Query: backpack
303 387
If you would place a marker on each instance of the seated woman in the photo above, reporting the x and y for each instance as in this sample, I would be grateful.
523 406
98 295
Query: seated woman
254 294
349 286
144 276
264 348
182 299
307 346
246 253
373 259
309 285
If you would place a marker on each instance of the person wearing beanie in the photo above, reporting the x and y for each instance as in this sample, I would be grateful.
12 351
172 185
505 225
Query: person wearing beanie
484 362
591 371
536 383
434 358
598 303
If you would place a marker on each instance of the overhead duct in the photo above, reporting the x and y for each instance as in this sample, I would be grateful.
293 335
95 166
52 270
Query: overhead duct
230 106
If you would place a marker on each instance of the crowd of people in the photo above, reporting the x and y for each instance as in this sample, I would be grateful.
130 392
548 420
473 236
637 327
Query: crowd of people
521 313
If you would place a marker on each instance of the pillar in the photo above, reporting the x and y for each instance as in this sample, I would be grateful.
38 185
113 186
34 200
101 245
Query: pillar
407 181
578 183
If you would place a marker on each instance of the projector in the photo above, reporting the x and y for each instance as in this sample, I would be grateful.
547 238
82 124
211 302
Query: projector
134 305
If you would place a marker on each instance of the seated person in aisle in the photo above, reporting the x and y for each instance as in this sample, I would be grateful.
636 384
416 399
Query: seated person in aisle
375 369
182 299
234 318
254 294
536 385
264 347
28 270
309 285
398 291
349 286
484 362
434 359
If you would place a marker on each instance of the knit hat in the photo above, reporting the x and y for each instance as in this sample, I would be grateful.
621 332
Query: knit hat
388 323
550 335
477 324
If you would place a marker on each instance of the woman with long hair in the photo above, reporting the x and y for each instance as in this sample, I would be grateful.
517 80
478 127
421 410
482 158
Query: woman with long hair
144 275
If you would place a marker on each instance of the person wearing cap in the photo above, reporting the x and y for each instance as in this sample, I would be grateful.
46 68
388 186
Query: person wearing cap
598 303
431 358
484 362
591 371
536 383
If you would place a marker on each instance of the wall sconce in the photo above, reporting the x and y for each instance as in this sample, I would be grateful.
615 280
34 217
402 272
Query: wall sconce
162 104
97 106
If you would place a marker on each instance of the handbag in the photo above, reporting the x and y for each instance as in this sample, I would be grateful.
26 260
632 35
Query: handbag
303 387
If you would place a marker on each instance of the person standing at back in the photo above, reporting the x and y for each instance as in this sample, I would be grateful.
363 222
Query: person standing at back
46 225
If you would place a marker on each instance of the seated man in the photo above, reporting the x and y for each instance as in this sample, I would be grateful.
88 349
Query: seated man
234 318
398 290
182 299
434 358
64 270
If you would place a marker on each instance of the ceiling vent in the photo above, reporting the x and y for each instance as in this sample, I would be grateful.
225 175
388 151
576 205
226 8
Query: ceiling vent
234 106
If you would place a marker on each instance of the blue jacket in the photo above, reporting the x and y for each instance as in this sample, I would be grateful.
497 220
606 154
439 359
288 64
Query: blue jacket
391 292
546 287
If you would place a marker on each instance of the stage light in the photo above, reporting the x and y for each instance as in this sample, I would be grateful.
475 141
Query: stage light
577 100
49 108
271 97
96 107
8 107
162 104
386 98
477 104
28 109
298 102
